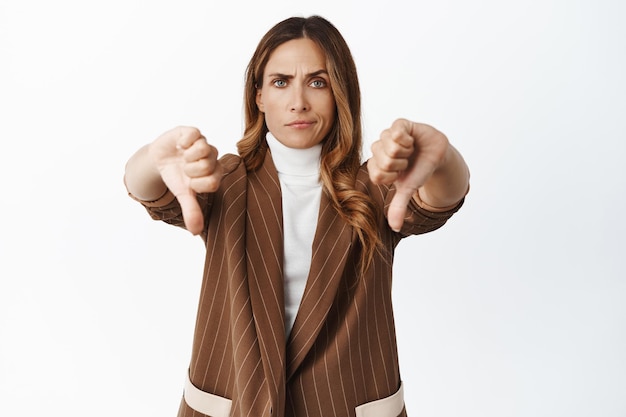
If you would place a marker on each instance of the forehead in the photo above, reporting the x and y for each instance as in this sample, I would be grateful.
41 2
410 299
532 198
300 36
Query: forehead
296 53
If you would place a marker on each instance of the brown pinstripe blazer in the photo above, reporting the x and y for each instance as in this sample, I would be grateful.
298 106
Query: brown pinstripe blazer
341 356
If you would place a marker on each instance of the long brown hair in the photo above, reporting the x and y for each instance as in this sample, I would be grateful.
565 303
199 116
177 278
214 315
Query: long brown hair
341 150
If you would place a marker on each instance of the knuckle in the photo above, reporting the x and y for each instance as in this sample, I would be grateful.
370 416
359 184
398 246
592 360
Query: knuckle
204 166
206 184
387 165
377 176
202 147
212 183
192 131
393 149
187 135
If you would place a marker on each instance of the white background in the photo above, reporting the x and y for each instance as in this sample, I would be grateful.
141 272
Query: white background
515 308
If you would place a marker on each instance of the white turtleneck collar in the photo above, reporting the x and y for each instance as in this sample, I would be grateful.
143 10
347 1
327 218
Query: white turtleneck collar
292 161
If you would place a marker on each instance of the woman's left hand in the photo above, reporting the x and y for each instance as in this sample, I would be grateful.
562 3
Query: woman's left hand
407 155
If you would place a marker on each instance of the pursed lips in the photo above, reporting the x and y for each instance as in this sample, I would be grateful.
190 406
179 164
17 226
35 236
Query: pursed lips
300 124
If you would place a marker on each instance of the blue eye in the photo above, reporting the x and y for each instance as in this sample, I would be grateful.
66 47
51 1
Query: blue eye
318 84
279 83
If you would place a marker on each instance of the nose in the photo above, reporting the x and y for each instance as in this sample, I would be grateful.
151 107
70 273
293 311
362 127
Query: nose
299 102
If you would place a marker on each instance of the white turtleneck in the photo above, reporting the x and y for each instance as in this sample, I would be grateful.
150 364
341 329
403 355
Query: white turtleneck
298 172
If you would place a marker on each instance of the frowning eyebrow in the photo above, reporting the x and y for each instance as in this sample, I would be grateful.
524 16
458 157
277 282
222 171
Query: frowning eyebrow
289 77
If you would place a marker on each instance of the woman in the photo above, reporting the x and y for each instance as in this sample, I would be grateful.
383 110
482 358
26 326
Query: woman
295 314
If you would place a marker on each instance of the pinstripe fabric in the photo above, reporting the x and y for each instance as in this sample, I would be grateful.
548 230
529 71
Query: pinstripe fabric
341 352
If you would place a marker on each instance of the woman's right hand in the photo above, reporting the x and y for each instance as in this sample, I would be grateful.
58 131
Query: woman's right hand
188 165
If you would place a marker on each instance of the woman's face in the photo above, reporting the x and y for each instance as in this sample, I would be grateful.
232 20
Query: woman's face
295 95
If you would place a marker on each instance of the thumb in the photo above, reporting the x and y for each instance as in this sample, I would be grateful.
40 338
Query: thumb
192 214
396 213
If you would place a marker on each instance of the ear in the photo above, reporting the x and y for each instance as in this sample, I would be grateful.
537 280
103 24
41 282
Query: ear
259 99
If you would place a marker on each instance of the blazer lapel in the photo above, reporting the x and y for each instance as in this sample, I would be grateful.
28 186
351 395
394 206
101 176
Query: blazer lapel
331 246
264 234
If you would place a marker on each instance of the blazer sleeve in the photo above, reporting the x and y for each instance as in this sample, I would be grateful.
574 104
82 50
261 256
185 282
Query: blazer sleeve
172 212
419 220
